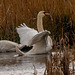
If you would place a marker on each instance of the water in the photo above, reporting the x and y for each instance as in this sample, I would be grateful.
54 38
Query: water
22 65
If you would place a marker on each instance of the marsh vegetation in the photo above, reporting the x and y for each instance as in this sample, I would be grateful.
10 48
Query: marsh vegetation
61 24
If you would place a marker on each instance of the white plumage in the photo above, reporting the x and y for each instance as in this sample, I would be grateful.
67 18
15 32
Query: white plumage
25 34
41 41
8 46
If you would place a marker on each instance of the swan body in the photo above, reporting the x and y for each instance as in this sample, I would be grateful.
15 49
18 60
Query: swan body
40 40
8 46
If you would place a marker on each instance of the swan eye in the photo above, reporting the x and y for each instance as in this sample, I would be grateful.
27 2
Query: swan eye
44 12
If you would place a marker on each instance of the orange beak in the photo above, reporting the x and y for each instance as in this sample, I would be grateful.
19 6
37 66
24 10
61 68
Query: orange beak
47 14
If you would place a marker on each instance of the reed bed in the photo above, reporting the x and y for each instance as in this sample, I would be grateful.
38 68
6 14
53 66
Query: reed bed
61 61
15 12
61 23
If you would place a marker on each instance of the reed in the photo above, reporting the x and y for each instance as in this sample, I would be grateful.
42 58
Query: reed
60 62
61 20
15 12
61 59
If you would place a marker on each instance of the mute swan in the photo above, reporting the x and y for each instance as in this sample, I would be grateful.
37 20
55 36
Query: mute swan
40 40
8 46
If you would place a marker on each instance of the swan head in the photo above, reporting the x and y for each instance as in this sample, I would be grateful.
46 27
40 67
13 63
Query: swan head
42 13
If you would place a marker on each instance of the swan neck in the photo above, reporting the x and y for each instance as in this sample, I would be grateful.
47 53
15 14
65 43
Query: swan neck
40 23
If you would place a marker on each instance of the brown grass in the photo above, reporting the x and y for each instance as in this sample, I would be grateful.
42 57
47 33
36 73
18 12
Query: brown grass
58 64
15 12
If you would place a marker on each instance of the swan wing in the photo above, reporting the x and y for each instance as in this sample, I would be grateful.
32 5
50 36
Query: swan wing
25 33
40 36
42 43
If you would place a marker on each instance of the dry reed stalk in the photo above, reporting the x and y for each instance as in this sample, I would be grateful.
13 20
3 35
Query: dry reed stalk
13 27
48 70
22 2
35 71
1 20
5 14
52 67
66 62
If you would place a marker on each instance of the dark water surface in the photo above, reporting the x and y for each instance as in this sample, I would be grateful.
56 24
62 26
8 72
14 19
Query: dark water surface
10 64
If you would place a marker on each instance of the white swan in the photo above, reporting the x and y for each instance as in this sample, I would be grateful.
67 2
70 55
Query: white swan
40 40
8 46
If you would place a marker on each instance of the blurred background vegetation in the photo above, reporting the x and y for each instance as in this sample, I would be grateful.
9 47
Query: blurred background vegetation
15 12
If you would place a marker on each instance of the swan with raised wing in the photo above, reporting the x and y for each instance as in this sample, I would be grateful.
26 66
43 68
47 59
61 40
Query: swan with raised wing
39 41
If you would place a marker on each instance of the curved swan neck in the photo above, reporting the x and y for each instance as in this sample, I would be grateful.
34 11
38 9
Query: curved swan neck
40 23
